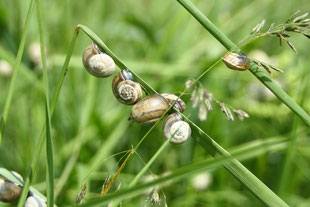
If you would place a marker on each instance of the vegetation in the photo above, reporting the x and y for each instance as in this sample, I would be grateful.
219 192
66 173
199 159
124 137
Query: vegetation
91 147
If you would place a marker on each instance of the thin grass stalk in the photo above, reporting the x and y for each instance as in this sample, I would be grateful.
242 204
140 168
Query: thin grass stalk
259 189
20 52
244 153
36 155
150 162
255 70
117 60
49 145
147 166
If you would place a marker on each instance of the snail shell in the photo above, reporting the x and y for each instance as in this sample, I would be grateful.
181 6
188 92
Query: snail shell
98 63
148 110
125 90
179 104
236 61
9 190
35 201
177 128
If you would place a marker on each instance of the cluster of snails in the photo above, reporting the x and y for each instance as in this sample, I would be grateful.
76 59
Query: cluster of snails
10 191
145 111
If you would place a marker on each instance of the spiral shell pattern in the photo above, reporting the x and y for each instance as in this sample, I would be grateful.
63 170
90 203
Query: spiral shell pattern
125 90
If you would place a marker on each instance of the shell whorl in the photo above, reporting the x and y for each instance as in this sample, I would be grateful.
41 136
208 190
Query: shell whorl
125 90
98 63
177 129
129 92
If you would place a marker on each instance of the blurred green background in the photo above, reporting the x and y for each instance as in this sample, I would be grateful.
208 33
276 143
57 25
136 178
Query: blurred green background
162 43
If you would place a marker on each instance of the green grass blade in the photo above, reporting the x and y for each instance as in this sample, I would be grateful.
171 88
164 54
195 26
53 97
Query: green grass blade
255 70
245 152
49 145
49 164
258 188
34 162
149 163
15 72
117 60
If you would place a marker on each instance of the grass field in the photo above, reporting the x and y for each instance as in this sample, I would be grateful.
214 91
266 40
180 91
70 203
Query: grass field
162 43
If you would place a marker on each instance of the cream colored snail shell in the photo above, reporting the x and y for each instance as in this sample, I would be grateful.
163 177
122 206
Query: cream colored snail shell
125 90
9 190
148 110
35 201
179 104
98 63
236 61
177 128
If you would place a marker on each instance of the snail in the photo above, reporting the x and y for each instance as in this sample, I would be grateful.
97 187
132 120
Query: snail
35 201
171 98
98 63
177 128
125 89
148 110
9 190
236 61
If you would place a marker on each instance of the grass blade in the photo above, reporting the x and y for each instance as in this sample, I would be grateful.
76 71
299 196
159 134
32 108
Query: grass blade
35 159
49 146
49 163
255 70
258 188
149 163
255 148
15 72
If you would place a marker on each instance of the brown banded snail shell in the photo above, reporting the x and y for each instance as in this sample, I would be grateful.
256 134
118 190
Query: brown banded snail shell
98 63
9 190
236 61
148 110
125 89
171 98
176 128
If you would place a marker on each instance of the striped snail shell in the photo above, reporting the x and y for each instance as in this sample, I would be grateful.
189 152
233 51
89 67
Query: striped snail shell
98 63
176 128
35 201
236 61
125 89
171 98
9 190
148 110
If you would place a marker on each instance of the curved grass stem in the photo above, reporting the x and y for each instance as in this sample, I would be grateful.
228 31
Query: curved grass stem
254 69
258 188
